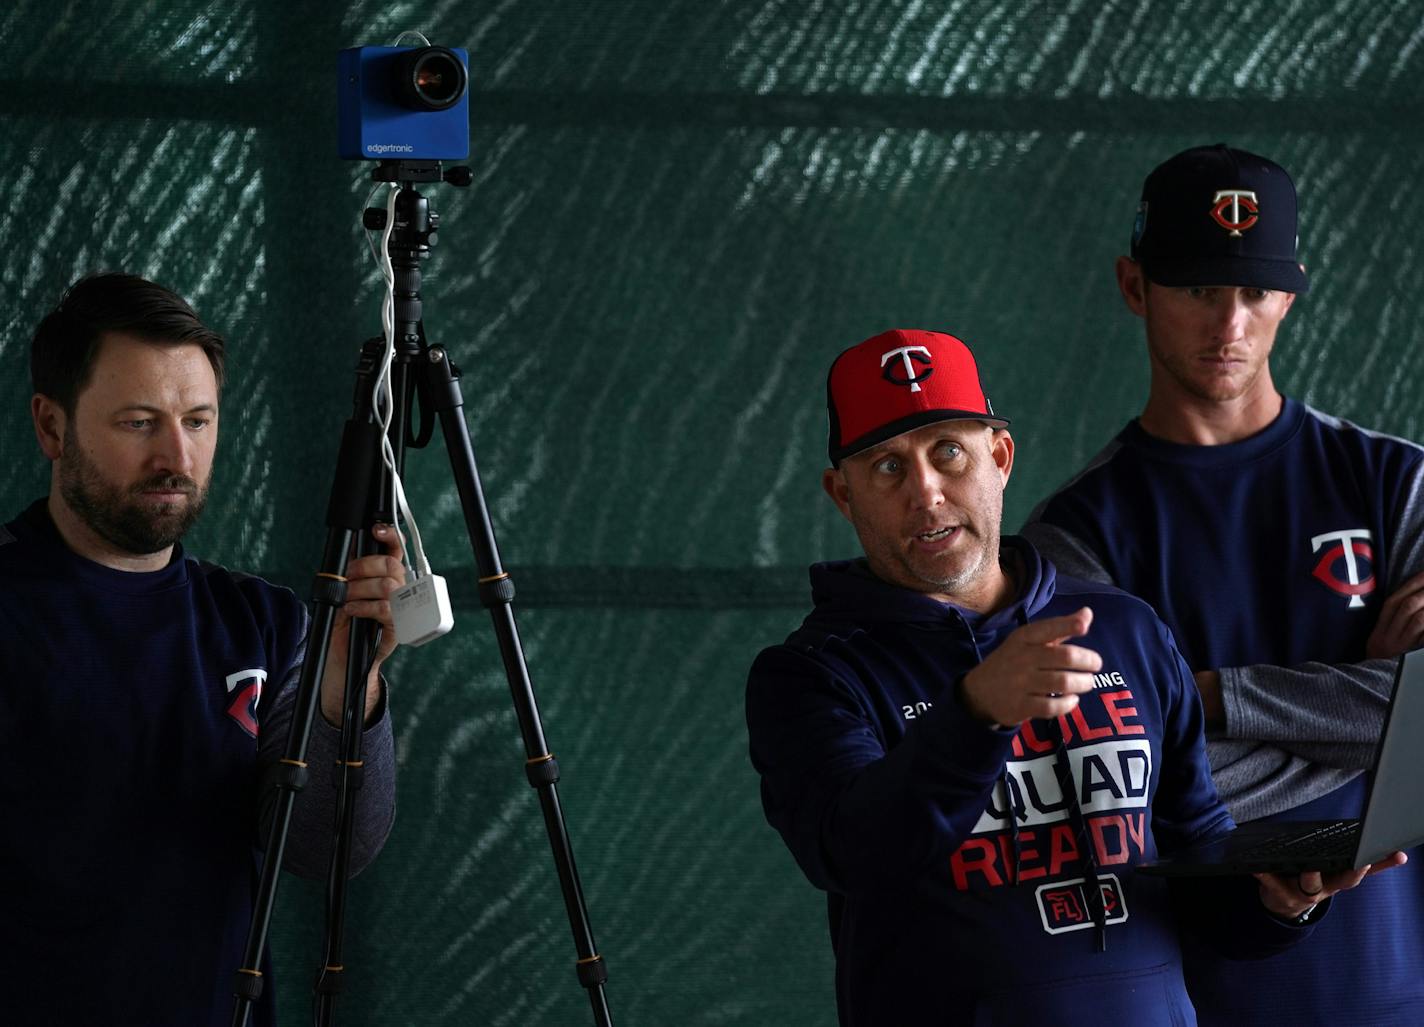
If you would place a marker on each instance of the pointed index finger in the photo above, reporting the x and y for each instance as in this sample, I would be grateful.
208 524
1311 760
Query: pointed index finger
1053 630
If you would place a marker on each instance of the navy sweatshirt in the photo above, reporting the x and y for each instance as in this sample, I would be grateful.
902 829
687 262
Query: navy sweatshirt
136 712
1269 559
955 876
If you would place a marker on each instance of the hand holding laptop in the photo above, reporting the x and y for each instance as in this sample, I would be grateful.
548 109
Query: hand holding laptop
1290 896
1291 857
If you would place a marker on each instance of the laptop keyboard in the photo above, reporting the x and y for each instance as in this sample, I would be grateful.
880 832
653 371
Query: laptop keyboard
1333 841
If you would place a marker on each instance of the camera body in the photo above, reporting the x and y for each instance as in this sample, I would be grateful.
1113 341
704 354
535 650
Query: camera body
403 103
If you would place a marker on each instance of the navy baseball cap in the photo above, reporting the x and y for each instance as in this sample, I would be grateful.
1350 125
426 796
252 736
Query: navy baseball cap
1213 215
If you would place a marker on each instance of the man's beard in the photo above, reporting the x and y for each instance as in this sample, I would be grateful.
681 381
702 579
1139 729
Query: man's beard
118 514
962 579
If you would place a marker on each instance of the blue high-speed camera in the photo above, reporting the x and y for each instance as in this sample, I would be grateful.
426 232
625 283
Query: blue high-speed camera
403 103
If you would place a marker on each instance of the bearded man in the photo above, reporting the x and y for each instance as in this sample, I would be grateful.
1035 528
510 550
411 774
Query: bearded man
146 692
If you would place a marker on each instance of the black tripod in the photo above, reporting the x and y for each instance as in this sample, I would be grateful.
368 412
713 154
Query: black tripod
359 499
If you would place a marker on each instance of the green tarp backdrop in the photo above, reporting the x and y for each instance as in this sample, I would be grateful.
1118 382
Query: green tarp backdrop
680 212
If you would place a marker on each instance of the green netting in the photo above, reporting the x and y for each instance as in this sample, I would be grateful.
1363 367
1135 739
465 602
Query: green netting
680 212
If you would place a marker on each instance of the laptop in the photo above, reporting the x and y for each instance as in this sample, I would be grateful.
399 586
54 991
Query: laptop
1394 809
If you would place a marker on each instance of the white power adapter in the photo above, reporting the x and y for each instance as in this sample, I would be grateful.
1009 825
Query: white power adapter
422 610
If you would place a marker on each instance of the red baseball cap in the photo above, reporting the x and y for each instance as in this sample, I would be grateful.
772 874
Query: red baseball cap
898 381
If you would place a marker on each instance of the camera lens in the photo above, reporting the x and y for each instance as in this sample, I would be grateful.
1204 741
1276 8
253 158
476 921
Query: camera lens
431 78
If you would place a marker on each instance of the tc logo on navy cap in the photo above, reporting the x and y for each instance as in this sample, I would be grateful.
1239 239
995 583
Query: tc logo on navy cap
1235 201
1220 216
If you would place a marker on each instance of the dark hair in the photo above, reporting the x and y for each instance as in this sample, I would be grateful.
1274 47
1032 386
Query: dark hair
66 341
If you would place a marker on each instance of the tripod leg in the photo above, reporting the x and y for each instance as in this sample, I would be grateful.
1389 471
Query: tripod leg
361 649
290 774
496 589
359 445
361 653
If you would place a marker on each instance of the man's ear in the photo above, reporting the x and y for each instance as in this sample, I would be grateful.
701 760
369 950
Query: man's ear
834 483
1001 448
1132 283
1290 298
50 421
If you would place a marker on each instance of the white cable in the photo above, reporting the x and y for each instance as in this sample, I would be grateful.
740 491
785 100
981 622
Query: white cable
411 32
381 395
420 566
370 242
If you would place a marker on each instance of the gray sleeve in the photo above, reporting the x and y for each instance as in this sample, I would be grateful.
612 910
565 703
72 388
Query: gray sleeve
309 841
1330 714
1066 551
1257 779
1407 545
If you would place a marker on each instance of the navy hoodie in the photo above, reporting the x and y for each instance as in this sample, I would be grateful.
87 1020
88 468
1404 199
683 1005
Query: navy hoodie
951 853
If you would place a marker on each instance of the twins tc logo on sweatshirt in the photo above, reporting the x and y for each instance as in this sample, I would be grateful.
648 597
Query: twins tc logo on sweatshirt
1346 564
245 687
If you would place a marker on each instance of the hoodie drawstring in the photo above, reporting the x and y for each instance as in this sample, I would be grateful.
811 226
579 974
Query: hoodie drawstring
1092 885
1063 770
1013 810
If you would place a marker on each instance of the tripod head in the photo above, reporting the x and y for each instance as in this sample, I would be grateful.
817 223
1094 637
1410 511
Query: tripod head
412 235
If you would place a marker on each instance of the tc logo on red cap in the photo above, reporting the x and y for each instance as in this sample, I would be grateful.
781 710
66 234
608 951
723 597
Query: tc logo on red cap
1235 200
908 354
897 381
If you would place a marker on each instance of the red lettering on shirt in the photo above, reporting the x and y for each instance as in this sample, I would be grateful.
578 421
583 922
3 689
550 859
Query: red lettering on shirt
1111 701
1062 848
1086 733
1031 739
1137 830
1109 839
1029 858
975 856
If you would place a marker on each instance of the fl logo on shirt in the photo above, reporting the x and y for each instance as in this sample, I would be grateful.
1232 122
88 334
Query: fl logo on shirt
1346 564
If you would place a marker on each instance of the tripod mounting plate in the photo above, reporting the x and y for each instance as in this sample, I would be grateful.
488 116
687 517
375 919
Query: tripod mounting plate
406 171
410 171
